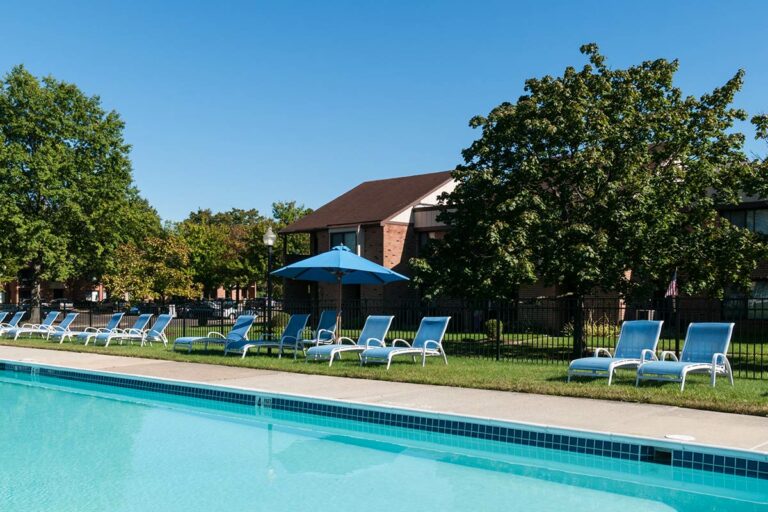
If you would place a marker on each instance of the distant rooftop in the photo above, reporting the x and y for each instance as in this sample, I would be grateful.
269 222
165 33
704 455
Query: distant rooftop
371 202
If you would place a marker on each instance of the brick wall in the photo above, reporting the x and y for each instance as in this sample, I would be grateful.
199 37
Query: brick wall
400 245
373 249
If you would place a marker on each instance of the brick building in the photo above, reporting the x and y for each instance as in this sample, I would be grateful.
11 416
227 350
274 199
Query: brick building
386 221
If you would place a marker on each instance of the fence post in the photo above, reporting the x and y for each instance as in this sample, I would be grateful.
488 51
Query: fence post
221 316
90 313
184 320
578 326
498 331
676 311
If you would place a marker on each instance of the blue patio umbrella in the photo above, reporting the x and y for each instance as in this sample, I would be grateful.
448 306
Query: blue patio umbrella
341 266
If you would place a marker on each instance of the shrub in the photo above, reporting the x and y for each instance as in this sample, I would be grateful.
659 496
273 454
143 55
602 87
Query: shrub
492 327
594 328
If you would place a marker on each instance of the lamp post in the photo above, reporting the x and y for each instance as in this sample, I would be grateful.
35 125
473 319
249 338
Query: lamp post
269 240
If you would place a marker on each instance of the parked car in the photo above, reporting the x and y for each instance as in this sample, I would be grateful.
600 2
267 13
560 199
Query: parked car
226 309
198 310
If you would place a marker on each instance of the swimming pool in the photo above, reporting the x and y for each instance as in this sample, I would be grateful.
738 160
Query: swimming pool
76 441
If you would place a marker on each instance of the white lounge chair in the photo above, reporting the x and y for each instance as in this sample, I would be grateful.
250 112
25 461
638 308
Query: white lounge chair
637 341
290 337
30 329
89 333
134 332
62 329
12 323
427 342
239 332
704 351
374 334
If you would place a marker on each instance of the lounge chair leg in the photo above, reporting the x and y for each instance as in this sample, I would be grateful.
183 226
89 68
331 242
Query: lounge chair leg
569 377
445 358
389 361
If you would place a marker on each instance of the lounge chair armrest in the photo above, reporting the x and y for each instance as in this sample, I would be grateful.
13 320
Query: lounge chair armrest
648 352
341 339
718 357
291 339
215 334
394 342
431 342
30 326
320 331
92 329
375 342
668 353
599 350
101 329
138 332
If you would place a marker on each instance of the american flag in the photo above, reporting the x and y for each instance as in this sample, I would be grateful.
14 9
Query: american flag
672 288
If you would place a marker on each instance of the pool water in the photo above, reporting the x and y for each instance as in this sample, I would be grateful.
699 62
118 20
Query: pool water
72 446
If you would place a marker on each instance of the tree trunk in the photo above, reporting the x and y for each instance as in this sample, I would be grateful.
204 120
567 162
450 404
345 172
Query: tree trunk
34 314
579 338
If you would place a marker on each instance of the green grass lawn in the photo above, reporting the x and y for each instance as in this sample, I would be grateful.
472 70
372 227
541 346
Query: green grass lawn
748 396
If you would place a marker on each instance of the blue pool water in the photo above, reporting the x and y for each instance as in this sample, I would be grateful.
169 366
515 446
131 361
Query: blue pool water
73 446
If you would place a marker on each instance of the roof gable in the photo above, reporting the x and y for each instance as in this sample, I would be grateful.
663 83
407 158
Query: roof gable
371 202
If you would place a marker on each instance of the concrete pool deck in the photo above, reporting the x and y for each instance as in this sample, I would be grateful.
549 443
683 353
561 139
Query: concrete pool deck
732 431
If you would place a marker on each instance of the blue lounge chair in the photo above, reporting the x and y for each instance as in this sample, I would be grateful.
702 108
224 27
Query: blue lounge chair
704 351
290 337
373 335
29 329
136 330
3 314
637 341
12 323
62 329
239 332
156 333
89 333
324 335
427 342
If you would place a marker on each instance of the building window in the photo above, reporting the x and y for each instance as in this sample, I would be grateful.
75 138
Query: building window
348 238
424 239
754 220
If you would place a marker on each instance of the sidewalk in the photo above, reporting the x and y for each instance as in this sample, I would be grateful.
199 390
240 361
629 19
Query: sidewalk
652 421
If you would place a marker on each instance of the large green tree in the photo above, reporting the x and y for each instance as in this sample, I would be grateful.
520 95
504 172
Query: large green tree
226 248
157 267
65 181
599 179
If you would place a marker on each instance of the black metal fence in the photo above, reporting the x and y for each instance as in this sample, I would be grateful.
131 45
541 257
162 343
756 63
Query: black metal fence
536 330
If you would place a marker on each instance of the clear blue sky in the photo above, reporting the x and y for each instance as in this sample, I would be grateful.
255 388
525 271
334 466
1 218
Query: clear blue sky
238 104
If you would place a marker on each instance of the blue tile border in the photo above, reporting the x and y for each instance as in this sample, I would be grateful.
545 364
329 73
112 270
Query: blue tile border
625 450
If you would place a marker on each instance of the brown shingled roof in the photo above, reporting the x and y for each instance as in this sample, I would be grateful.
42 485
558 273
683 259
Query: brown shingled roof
370 202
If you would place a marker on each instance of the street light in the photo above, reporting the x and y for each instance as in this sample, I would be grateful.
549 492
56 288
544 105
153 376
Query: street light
269 240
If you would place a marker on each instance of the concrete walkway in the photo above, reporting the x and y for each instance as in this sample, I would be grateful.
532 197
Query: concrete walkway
652 421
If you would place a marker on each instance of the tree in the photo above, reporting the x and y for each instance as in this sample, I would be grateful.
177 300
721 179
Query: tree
285 213
225 247
158 267
65 180
599 179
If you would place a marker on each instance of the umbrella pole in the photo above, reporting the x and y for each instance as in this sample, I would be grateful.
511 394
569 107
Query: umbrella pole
338 306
